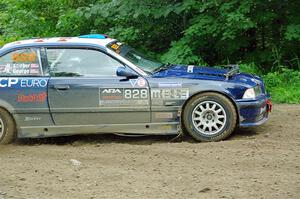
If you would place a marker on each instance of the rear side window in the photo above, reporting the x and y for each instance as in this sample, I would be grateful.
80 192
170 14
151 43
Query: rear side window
22 62
80 62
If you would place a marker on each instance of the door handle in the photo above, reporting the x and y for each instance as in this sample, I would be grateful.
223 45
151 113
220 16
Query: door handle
61 87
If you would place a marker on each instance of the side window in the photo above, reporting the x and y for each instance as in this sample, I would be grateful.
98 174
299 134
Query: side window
23 62
80 62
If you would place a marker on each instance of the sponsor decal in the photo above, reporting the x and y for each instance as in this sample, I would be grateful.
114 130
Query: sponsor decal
135 94
34 66
123 93
169 85
28 119
140 82
20 69
120 103
190 69
177 94
115 46
111 94
123 96
24 57
32 98
34 71
30 83
7 82
133 82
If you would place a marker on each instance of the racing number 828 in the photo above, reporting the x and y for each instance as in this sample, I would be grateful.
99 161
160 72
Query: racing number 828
135 93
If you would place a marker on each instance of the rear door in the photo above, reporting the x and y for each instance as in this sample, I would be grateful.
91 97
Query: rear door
84 89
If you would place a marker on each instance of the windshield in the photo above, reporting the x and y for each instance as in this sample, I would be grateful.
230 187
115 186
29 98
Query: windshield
142 61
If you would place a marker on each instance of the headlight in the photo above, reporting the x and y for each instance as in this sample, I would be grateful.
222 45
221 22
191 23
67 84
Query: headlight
252 93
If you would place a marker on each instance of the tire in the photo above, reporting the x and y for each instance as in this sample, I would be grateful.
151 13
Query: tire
7 128
209 117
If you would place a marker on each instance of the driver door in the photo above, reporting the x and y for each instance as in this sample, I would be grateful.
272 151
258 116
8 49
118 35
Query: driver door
84 90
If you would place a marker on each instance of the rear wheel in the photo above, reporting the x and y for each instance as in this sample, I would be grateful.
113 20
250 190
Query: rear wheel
7 127
209 117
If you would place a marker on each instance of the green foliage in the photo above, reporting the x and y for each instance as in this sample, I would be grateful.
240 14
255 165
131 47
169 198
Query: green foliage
293 32
286 94
181 52
283 85
183 31
29 18
251 68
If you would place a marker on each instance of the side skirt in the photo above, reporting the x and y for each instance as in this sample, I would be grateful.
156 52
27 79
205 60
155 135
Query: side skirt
167 128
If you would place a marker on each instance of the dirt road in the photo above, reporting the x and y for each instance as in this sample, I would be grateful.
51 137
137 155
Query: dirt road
263 162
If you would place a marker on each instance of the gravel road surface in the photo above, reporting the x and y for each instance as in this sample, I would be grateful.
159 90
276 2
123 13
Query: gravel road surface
261 162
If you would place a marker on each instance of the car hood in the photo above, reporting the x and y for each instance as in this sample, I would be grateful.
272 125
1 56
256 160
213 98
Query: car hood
208 73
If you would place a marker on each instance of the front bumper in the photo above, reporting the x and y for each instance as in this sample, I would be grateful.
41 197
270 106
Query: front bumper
254 112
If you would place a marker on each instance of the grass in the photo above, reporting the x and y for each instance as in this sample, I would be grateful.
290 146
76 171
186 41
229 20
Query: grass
283 85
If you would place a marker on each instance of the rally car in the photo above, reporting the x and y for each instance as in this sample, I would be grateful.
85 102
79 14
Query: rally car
95 84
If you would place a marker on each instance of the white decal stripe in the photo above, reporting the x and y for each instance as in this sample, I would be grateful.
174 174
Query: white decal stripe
190 69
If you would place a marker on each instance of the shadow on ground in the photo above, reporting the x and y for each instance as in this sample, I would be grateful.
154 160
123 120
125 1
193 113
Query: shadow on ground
98 139
244 133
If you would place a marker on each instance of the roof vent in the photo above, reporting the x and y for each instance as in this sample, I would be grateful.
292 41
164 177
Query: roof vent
93 36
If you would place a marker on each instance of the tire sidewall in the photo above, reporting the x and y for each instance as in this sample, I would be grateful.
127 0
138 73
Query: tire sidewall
4 127
188 121
9 133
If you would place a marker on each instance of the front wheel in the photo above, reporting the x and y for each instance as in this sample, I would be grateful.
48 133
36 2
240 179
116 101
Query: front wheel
7 127
209 117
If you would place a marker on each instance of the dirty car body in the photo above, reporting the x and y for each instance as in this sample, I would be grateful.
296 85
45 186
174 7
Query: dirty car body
94 84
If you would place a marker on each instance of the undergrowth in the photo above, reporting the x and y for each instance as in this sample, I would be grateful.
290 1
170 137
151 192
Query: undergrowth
282 84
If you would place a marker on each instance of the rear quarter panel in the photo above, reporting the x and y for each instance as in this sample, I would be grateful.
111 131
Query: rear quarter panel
26 99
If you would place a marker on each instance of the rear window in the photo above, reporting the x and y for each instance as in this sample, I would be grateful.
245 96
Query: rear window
23 62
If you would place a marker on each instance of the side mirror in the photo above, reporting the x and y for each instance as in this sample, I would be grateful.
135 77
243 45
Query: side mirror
126 72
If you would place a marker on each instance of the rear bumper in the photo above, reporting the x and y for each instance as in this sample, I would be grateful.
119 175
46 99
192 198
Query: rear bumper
254 112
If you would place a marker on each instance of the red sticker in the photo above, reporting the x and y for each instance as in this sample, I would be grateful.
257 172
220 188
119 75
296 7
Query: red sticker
32 98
